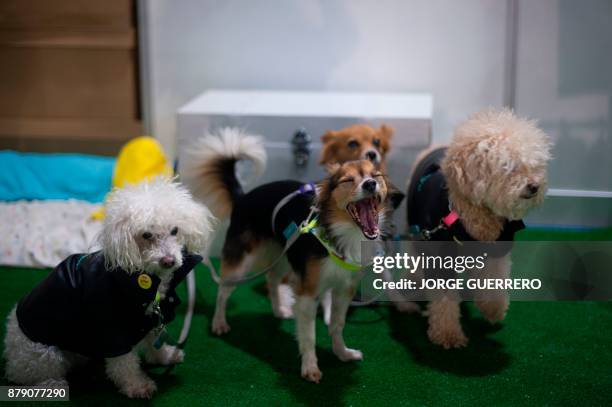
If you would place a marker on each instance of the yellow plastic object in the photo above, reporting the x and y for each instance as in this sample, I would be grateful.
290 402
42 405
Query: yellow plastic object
141 158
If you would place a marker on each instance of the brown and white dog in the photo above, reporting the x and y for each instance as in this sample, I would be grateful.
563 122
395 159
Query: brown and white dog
351 206
360 142
357 142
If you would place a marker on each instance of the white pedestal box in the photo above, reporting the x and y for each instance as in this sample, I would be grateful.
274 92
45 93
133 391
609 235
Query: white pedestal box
277 116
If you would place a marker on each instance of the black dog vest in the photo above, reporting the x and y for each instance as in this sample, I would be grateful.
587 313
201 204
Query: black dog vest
84 308
428 204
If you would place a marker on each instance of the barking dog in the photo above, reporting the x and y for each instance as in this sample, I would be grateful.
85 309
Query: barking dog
492 173
351 205
110 304
361 142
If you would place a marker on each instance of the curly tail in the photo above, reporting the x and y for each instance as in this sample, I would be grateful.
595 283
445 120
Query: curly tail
209 167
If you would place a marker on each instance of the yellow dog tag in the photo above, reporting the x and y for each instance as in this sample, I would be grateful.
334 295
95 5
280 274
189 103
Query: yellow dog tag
144 281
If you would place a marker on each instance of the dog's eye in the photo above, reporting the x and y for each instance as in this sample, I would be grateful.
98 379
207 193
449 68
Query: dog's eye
353 144
346 179
174 231
376 142
147 235
377 174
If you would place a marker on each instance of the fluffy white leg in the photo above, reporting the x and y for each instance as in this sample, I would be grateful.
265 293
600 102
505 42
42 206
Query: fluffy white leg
494 304
444 323
341 300
305 311
286 299
32 363
165 355
326 304
281 295
228 273
128 376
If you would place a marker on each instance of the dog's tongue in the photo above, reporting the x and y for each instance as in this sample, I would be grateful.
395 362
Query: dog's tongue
368 215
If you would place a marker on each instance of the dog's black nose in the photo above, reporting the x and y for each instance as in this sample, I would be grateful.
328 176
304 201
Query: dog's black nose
369 186
167 262
533 188
371 155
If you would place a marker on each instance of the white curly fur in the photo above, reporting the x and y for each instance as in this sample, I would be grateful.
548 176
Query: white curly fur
156 207
492 158
492 165
199 167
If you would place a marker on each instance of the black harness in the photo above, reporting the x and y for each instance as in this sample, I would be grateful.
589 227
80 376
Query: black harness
430 216
84 308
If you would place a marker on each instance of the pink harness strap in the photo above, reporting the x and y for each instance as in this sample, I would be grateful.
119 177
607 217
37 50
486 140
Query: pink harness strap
451 218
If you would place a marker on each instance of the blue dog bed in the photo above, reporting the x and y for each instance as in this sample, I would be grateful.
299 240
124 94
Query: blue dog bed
33 176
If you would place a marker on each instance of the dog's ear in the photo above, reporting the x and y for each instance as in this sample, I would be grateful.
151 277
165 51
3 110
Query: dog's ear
386 132
465 169
329 147
328 136
332 168
197 227
118 244
395 197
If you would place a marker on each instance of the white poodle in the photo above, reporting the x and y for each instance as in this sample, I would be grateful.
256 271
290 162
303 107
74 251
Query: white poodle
114 303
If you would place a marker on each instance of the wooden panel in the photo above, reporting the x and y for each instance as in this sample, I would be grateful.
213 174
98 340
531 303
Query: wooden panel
93 136
65 82
61 145
68 39
68 75
76 14
71 128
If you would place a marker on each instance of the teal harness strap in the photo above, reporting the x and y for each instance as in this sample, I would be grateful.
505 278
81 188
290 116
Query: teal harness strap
83 257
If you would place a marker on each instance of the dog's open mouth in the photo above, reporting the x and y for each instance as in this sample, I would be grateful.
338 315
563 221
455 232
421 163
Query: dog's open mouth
365 214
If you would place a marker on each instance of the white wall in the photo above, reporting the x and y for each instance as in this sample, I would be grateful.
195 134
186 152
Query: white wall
454 50
564 79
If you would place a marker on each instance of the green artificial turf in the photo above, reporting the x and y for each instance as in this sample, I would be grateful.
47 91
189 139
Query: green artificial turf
543 354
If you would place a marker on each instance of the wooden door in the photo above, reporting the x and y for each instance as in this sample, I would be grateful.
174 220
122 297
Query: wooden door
68 75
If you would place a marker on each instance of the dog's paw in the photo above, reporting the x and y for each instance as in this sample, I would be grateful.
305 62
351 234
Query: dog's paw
448 338
348 355
177 356
220 326
312 373
493 311
310 368
139 389
408 307
166 355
